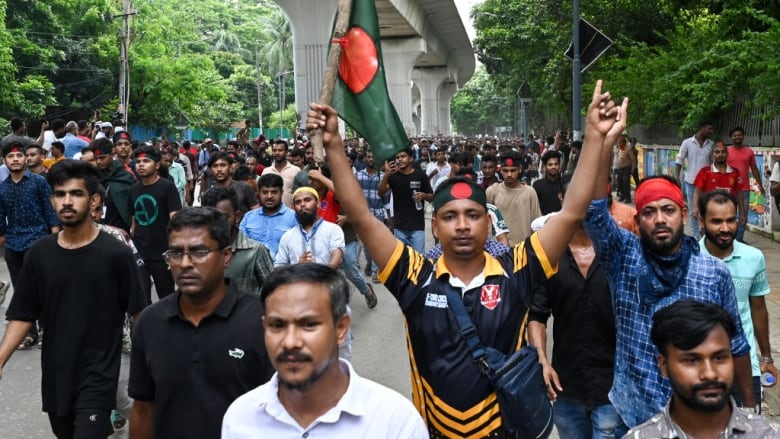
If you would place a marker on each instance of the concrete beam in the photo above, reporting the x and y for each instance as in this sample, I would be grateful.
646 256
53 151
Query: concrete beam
446 91
399 59
311 22
429 81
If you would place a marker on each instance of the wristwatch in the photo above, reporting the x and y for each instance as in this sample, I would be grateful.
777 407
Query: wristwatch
767 360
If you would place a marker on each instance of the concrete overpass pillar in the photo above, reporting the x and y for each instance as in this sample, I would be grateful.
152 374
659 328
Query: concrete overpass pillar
399 58
429 80
445 98
312 22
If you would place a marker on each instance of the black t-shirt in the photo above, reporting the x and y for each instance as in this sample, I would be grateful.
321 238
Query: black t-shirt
151 207
113 218
80 296
192 374
549 194
406 215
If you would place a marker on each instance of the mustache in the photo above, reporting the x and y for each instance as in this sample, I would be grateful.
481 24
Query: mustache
292 356
709 385
662 229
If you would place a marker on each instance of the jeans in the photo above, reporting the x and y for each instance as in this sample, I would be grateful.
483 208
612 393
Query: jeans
577 421
351 268
741 227
694 222
415 238
374 268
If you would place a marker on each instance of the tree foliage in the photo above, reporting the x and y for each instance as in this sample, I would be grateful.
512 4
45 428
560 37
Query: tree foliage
678 60
191 61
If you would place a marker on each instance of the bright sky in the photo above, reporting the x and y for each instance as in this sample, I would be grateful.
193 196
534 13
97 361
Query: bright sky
464 7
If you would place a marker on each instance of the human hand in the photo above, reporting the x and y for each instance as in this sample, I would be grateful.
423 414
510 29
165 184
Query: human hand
743 218
341 219
315 174
769 367
306 257
390 166
323 117
45 125
604 114
551 381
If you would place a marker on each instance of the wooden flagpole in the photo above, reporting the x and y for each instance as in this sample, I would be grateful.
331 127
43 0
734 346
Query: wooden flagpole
331 72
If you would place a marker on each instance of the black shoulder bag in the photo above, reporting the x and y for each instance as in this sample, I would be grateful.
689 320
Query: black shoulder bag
526 411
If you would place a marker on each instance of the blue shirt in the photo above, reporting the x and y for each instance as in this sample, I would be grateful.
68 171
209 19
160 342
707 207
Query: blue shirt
73 145
370 185
268 229
639 391
26 213
748 271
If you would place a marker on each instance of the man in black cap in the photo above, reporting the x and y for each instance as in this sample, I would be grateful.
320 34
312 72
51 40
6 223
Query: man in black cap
152 202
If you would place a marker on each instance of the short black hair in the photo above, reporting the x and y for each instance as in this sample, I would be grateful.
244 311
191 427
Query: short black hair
311 273
148 150
271 180
704 123
296 152
489 158
16 123
551 155
735 129
668 178
718 196
458 158
193 217
65 170
57 124
407 151
213 196
221 156
242 173
687 323
283 142
58 145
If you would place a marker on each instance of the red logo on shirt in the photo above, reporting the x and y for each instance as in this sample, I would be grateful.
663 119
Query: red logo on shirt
491 295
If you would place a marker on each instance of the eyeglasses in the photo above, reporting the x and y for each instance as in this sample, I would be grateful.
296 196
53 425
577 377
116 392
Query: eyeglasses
174 257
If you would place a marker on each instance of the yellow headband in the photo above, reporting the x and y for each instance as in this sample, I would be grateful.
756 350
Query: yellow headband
311 190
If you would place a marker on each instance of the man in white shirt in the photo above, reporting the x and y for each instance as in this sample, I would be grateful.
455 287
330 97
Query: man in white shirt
314 393
439 169
314 240
697 150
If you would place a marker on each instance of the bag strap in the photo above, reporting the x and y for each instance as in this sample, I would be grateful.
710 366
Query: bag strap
467 329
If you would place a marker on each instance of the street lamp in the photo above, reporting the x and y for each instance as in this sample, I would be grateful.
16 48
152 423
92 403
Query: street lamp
280 80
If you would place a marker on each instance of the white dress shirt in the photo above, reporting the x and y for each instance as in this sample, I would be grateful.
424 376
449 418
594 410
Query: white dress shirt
366 410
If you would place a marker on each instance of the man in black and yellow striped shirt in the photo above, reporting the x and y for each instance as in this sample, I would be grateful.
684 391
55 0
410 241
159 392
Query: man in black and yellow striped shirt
453 397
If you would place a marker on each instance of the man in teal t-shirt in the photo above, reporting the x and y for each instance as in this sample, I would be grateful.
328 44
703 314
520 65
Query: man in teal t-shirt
718 210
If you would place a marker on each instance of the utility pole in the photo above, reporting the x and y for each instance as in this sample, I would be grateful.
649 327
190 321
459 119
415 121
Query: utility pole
124 70
576 75
259 91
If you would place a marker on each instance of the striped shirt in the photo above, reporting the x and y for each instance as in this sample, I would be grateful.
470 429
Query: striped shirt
639 391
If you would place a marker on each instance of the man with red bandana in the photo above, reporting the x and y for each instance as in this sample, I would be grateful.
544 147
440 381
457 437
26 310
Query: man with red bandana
647 273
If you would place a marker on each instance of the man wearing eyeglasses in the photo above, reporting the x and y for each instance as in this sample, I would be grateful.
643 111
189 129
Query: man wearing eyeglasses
197 350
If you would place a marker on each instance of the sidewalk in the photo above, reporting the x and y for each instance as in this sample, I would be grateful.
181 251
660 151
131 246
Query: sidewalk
771 251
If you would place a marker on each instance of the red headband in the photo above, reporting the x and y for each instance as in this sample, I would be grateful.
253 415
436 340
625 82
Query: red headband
656 189
15 149
141 155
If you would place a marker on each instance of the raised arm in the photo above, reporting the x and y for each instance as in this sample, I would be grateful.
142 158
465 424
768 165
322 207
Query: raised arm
379 241
606 121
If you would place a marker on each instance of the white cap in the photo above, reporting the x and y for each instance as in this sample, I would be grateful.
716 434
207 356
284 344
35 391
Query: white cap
106 125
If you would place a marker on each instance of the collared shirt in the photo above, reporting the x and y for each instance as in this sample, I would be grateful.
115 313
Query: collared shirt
742 425
698 156
583 330
710 178
250 264
639 390
448 389
323 239
365 410
268 229
26 213
748 271
192 373
73 145
370 185
288 174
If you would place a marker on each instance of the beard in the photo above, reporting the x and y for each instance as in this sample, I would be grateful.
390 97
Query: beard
663 247
305 218
689 397
713 238
306 382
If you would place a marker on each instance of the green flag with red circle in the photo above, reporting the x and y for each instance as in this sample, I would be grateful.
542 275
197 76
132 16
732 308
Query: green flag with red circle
360 95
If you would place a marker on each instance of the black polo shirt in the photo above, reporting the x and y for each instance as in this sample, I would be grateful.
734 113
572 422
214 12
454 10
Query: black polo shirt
192 374
583 330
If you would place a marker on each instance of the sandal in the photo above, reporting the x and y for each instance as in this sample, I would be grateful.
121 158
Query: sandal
371 299
26 343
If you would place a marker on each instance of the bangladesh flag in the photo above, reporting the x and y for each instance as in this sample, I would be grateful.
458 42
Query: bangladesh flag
360 95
